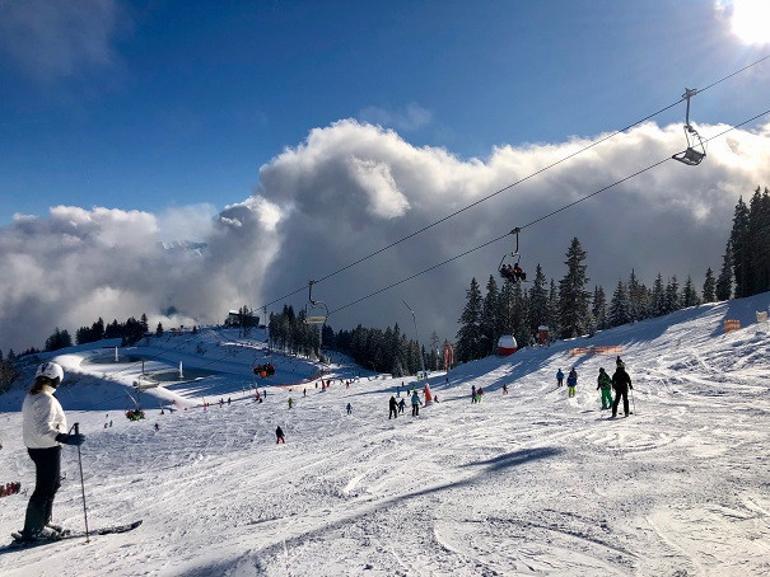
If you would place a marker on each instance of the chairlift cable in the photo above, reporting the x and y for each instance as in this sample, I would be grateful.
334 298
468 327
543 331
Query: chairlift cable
538 220
581 150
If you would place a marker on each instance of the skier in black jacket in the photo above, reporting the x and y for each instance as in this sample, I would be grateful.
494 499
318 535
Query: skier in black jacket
621 382
393 408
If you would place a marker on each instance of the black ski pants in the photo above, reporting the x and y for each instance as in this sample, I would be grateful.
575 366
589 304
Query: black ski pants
47 482
393 413
415 410
618 394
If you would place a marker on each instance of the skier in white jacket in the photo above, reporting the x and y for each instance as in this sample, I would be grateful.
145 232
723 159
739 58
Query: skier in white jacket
44 427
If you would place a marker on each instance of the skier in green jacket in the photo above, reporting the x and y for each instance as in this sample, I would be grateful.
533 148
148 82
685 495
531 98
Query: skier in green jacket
604 382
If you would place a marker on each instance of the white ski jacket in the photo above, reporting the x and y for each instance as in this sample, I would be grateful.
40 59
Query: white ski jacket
42 419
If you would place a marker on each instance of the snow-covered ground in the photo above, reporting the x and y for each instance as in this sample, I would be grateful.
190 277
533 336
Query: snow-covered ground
529 483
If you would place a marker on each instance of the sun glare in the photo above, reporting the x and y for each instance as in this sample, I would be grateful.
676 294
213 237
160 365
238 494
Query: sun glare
751 21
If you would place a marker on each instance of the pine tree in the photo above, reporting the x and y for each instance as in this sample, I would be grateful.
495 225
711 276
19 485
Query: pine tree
469 334
709 287
620 306
553 308
538 301
520 316
658 305
689 294
741 250
672 299
505 309
489 322
724 289
573 298
599 308
159 330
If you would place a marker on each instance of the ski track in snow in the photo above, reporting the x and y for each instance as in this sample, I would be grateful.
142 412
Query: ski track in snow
530 483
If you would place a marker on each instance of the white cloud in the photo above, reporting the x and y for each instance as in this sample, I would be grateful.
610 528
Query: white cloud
352 188
407 119
50 39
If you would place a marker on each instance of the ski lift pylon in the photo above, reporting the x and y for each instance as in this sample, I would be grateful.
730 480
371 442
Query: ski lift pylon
696 149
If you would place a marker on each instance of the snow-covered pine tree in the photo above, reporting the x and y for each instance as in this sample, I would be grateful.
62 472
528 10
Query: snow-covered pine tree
658 304
739 239
673 298
689 294
469 333
538 300
620 306
489 321
599 308
505 309
553 308
520 316
573 298
709 287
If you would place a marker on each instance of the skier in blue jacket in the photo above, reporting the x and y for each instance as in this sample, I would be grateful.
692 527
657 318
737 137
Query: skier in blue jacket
572 379
559 378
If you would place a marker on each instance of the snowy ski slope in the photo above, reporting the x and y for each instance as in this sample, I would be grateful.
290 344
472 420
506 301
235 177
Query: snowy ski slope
529 483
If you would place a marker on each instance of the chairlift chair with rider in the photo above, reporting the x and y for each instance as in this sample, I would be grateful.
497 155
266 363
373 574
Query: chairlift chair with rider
509 267
696 148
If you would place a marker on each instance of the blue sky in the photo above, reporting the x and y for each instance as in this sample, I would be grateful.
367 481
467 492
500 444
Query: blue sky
180 102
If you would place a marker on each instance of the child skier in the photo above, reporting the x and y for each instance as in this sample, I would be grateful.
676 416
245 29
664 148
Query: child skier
279 438
416 404
559 378
572 379
604 382
401 406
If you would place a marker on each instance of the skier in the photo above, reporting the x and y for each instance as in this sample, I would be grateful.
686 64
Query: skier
304 392
474 397
572 379
401 406
228 400
392 404
505 389
619 364
480 393
44 427
519 273
157 427
621 382
604 382
416 404
559 378
349 408
279 438
291 402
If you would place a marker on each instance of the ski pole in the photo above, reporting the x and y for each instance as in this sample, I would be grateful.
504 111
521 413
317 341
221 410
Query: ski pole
82 483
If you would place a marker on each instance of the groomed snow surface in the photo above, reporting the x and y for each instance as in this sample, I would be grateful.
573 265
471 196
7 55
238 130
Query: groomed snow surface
529 483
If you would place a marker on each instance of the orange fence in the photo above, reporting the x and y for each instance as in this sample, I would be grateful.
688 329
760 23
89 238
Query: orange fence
732 325
598 350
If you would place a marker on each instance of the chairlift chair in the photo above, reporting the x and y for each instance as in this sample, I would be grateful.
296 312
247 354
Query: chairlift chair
514 257
316 312
696 148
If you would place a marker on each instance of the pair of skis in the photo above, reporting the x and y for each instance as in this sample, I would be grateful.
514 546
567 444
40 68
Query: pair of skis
19 543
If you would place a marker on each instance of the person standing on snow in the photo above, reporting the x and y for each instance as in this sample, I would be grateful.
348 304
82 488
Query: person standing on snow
474 398
291 402
401 406
621 382
279 438
44 427
392 405
559 378
604 382
416 404
349 408
572 382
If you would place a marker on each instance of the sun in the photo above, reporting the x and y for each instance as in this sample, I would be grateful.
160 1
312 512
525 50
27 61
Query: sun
750 21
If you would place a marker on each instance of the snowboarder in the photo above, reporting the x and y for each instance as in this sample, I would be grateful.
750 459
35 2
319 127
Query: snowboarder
572 380
604 382
44 427
401 406
279 438
621 382
349 408
559 378
474 397
392 404
416 404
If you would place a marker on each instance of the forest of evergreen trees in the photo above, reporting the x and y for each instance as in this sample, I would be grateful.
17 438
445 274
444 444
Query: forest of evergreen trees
572 310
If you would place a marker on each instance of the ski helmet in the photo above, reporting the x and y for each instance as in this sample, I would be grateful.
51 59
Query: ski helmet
50 370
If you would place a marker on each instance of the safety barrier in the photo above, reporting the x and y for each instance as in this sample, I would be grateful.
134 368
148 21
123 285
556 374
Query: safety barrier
732 325
597 350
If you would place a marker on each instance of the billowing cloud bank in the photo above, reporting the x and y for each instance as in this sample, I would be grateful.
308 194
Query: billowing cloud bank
351 188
